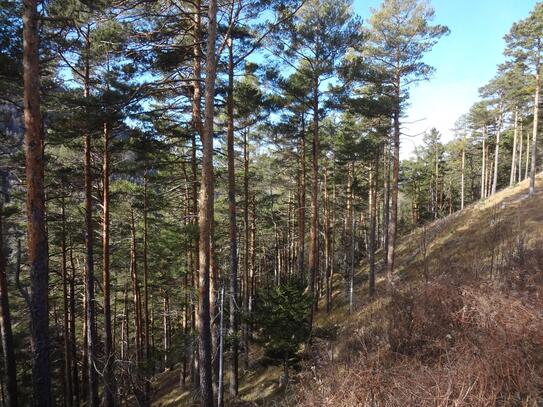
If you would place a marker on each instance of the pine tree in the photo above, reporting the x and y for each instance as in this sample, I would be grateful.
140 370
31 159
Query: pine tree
400 35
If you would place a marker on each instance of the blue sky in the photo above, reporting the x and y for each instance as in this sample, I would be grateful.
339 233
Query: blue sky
464 61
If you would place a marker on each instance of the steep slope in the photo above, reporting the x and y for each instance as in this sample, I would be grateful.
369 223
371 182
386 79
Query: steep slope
463 326
472 335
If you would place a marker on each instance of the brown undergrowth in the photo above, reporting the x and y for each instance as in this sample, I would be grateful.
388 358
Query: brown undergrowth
445 344
470 336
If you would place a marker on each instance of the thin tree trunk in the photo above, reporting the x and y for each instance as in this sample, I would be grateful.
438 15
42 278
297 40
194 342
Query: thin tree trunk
521 144
327 265
233 228
513 177
497 152
302 197
526 173
386 198
67 366
314 225
139 389
462 186
35 209
145 316
332 247
198 127
73 343
109 386
8 352
245 292
395 178
93 399
165 330
374 178
483 166
350 232
536 121
206 214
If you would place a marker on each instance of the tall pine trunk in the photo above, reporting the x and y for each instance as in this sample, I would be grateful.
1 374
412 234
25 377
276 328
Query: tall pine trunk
392 226
92 375
302 201
206 209
233 225
35 209
314 224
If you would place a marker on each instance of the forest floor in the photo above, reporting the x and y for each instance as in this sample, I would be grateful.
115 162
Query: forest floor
468 331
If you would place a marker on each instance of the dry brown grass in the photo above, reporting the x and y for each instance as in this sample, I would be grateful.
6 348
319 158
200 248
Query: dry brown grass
472 336
443 345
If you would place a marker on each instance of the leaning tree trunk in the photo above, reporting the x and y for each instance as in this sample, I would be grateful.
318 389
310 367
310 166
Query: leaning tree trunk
206 214
35 209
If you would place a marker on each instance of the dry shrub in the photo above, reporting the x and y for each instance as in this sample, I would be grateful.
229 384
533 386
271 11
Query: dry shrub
447 346
419 321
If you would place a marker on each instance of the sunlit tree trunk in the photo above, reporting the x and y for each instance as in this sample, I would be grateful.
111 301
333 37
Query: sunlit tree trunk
497 152
206 206
536 120
512 178
35 210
